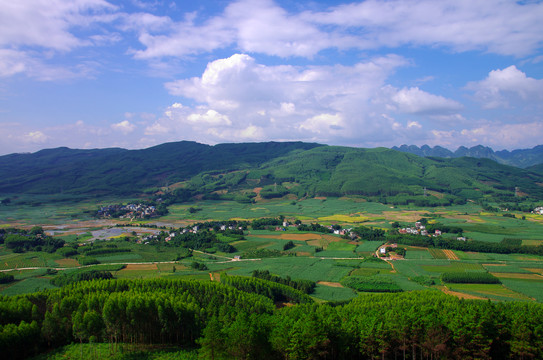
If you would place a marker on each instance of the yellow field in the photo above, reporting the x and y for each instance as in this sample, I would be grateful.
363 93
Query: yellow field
345 218
536 270
532 242
330 284
517 276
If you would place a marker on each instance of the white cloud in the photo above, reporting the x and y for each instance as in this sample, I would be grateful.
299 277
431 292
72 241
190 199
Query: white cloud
414 124
252 132
11 62
323 124
156 129
33 32
47 23
124 127
210 117
416 101
497 136
503 88
36 137
503 27
285 101
262 26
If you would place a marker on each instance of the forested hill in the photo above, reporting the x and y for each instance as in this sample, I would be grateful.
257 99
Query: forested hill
234 171
521 158
120 171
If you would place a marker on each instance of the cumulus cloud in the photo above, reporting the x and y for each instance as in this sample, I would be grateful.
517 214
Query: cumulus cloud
210 117
323 123
504 87
285 101
416 101
124 127
36 137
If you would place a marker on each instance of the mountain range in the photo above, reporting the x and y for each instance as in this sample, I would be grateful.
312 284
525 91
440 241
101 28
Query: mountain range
523 158
276 169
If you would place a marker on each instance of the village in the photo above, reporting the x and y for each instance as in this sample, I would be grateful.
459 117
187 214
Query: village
129 211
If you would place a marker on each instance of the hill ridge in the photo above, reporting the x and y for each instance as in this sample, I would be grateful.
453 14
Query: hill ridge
230 171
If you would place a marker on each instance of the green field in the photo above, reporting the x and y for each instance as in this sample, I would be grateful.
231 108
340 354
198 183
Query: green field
71 222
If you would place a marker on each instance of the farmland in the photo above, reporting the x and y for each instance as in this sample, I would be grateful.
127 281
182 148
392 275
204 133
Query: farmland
324 258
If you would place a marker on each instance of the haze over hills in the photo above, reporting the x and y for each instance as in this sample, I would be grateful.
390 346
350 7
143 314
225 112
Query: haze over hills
523 158
233 171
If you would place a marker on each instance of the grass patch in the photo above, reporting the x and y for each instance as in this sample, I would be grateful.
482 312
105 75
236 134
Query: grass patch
344 219
490 291
418 254
29 285
370 246
437 253
333 293
92 351
456 266
531 288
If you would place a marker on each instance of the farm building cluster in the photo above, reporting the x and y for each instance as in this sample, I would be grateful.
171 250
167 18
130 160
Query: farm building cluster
419 229
538 210
129 211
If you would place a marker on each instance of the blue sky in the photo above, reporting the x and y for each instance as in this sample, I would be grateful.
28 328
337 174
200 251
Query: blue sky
136 73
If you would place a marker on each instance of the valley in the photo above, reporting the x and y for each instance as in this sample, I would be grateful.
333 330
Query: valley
270 250
320 257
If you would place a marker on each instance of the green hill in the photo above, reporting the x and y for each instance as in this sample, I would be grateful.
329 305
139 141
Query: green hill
232 171
119 171
380 172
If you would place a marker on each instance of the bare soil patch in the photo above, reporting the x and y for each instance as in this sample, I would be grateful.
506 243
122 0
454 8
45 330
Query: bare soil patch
460 295
257 191
450 254
140 267
67 262
331 284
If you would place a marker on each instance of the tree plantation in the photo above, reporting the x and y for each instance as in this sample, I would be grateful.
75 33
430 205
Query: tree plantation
237 319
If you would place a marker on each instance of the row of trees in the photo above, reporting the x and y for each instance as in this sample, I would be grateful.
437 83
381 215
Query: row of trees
238 320
306 286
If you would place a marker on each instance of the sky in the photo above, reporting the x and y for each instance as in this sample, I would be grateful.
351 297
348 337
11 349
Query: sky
136 73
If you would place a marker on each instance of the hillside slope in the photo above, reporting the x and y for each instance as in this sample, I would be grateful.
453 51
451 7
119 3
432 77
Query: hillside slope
120 171
338 171
233 171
